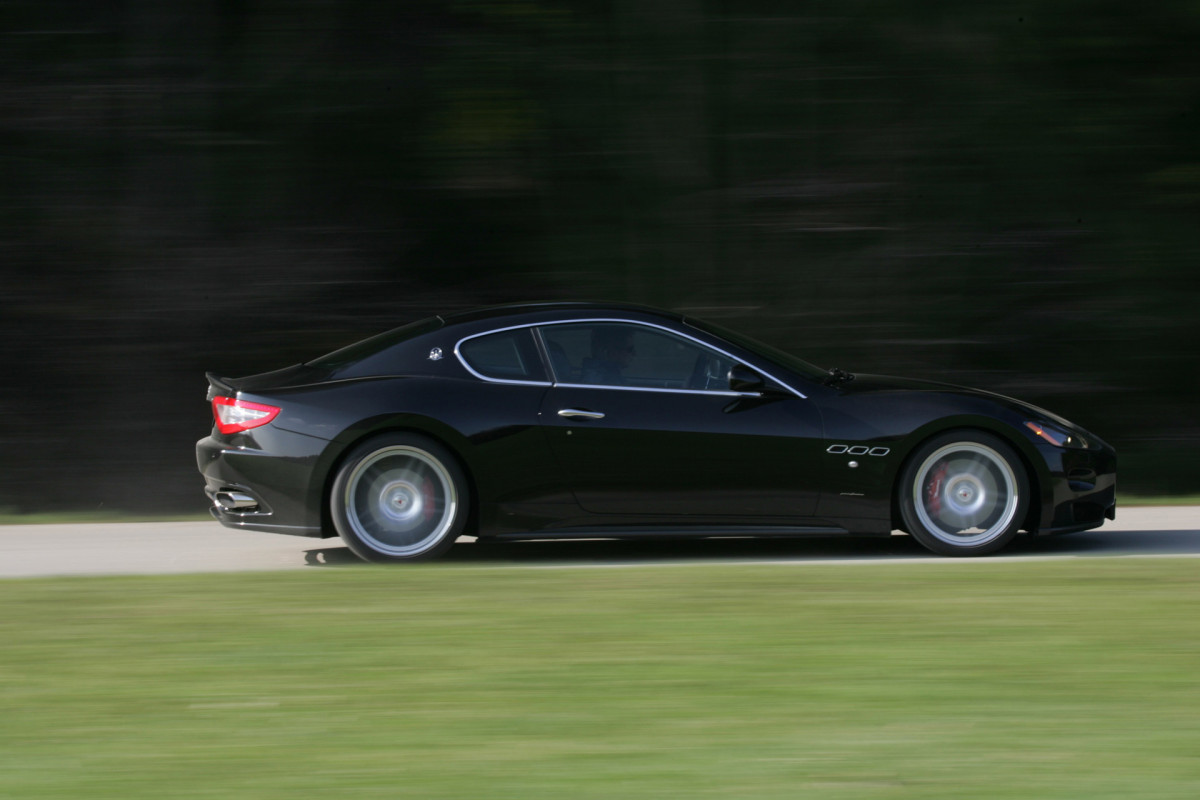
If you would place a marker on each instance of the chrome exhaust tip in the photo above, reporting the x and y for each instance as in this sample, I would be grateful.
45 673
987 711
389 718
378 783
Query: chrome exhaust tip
237 502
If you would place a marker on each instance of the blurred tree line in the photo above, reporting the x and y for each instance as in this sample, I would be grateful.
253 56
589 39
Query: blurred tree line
1003 195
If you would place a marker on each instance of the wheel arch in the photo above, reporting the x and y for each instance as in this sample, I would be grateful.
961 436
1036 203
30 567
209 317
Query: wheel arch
334 457
1035 468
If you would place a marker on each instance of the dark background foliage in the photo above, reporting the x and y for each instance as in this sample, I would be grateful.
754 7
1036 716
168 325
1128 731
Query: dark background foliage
1004 195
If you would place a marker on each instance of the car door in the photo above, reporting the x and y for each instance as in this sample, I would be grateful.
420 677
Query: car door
643 422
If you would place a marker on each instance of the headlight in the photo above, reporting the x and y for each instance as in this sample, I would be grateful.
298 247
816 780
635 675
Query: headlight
1057 436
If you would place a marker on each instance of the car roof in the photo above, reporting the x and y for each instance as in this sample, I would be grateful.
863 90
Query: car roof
537 312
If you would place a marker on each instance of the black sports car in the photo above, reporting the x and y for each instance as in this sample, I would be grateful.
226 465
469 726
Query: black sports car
586 420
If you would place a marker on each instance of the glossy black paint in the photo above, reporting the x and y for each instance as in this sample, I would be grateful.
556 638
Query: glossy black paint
753 461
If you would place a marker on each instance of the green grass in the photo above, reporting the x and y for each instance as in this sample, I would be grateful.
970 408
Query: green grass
1127 501
9 516
1070 679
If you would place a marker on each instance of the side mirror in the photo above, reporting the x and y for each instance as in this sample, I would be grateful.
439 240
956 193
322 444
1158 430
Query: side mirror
745 380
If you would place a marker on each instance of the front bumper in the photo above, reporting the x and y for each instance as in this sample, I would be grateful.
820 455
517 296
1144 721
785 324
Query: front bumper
1084 491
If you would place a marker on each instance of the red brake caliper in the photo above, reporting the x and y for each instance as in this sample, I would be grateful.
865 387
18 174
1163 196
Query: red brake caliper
933 500
430 499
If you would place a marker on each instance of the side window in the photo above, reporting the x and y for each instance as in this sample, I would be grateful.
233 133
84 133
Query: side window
506 356
624 354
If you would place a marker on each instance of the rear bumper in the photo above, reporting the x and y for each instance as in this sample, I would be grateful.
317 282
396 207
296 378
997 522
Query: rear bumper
269 487
253 521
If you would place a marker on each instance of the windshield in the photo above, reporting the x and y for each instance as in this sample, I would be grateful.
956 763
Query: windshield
774 354
356 352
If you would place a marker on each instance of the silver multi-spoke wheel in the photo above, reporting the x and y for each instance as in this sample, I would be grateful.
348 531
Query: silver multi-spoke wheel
964 494
398 499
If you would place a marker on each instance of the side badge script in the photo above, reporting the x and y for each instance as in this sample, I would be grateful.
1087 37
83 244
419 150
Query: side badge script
857 450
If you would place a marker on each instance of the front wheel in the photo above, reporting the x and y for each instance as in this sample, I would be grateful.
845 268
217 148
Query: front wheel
399 498
964 494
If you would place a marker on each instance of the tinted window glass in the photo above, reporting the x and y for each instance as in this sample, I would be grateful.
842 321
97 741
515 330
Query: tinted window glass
620 354
508 355
767 351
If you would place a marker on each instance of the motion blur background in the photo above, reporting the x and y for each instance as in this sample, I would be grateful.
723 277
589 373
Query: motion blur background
1002 195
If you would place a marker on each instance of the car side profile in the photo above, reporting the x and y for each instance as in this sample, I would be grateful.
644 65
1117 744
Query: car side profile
574 420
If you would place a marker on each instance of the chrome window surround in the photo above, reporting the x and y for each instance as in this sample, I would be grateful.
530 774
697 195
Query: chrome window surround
672 331
458 354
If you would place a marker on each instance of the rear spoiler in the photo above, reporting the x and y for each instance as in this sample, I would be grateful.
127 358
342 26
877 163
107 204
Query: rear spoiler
218 386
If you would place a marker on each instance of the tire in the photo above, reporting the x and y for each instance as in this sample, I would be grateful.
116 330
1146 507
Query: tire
400 497
964 493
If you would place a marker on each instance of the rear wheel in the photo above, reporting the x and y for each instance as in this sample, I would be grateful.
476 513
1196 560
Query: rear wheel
401 497
964 494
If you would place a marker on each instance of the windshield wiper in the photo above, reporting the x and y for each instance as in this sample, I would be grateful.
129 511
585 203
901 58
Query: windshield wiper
838 376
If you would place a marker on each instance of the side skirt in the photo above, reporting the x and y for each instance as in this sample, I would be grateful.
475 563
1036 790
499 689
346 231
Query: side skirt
675 531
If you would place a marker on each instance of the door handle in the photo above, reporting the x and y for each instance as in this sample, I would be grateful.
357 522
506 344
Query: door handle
579 413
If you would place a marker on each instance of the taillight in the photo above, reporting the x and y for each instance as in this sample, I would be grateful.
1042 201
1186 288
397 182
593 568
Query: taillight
233 415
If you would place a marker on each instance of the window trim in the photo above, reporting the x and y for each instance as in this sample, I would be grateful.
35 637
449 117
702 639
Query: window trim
541 344
510 381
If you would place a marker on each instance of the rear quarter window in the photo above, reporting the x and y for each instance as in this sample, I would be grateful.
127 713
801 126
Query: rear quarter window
503 356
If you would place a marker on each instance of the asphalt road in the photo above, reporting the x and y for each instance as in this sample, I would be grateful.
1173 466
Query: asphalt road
182 547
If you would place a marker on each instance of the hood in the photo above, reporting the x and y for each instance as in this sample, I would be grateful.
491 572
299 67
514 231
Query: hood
867 384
